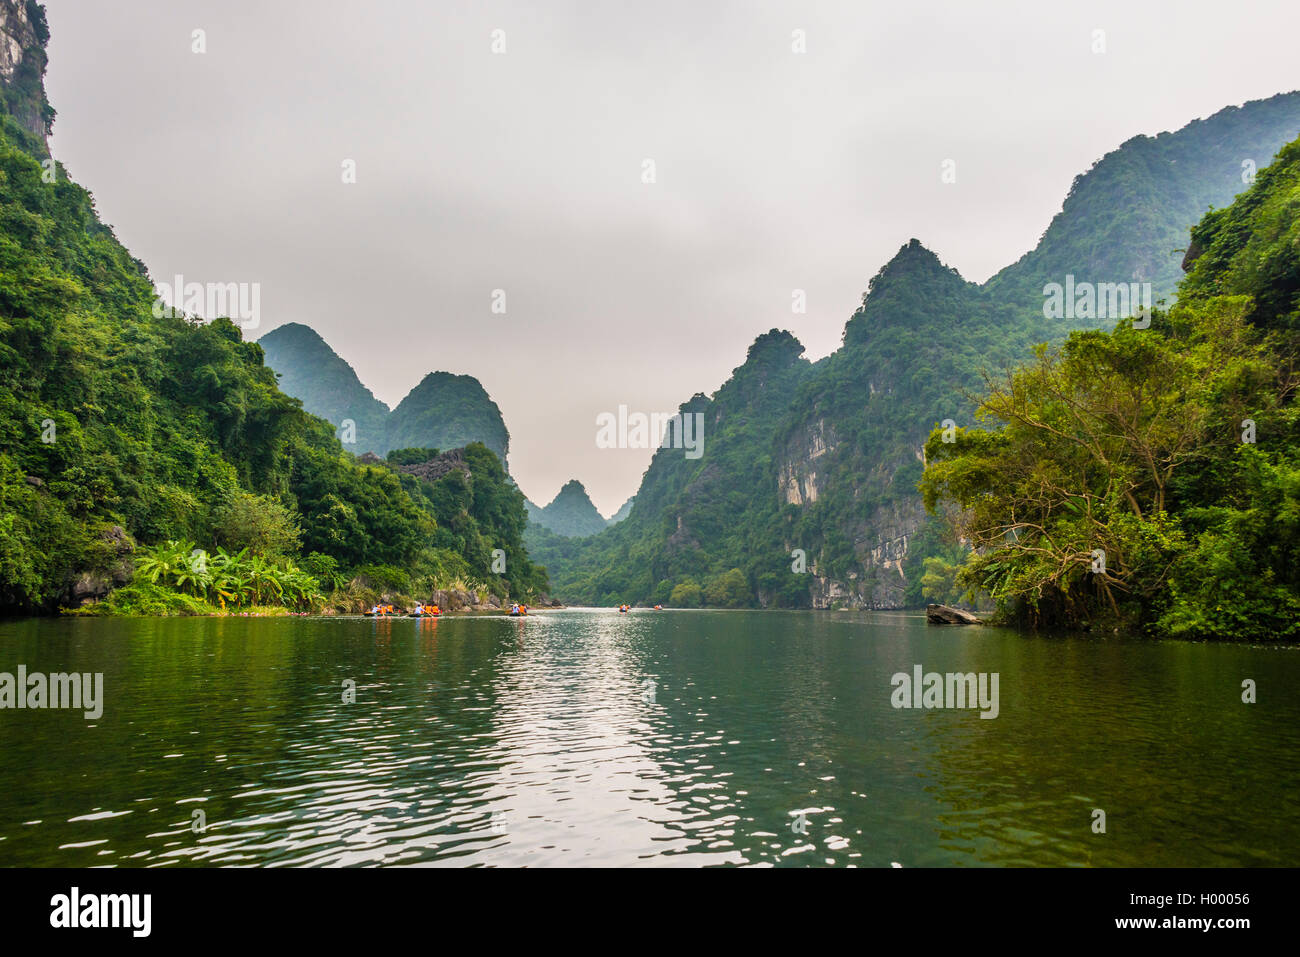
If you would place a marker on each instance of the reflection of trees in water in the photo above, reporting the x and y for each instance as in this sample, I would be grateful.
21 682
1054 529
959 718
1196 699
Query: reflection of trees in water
1150 733
1153 733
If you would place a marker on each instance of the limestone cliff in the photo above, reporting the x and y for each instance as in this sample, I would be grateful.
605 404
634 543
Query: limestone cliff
23 36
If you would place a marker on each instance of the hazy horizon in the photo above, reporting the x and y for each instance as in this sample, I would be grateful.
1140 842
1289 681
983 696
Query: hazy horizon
522 171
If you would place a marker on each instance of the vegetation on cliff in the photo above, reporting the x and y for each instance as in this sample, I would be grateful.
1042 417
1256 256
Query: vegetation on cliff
1151 477
175 431
828 463
570 513
443 411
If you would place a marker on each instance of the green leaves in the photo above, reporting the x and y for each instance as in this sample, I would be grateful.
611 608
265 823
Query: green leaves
1173 451
225 579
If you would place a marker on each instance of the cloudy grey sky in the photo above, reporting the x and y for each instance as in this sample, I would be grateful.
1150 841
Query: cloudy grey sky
522 171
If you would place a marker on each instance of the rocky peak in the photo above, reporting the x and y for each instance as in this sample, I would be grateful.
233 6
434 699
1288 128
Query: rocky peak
570 513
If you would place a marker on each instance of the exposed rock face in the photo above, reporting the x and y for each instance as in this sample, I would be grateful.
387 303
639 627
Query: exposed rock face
798 475
116 569
23 35
883 548
16 34
947 615
880 538
439 466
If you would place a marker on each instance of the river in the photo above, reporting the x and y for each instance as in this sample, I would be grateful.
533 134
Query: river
584 737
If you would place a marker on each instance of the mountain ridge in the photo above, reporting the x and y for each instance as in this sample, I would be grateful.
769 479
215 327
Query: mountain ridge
835 480
444 410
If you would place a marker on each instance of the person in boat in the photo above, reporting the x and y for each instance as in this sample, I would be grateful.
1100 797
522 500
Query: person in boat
514 609
419 608
434 610
374 610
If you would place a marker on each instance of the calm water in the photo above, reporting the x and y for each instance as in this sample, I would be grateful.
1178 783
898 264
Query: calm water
536 742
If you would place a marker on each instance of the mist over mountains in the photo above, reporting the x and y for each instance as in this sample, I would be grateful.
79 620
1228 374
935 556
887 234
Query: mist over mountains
444 411
806 493
825 457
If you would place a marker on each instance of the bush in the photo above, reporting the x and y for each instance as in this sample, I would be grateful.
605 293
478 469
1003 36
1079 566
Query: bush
256 522
411 456
142 599
729 590
383 578
325 569
686 595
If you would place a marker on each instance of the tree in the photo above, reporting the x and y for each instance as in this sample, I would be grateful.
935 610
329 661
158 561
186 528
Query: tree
686 595
729 590
1072 501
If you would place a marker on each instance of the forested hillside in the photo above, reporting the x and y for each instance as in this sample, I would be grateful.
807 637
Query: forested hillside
1150 478
326 384
831 473
570 514
447 411
159 453
443 411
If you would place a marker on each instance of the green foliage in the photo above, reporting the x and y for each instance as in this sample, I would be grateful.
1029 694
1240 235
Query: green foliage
413 456
325 569
939 583
570 514
686 595
222 578
478 511
175 431
146 600
259 523
383 578
1175 451
1252 248
729 590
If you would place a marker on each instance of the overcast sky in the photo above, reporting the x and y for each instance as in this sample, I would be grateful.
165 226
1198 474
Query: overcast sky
523 170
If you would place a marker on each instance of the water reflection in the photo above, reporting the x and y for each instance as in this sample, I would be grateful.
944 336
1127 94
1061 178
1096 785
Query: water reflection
769 739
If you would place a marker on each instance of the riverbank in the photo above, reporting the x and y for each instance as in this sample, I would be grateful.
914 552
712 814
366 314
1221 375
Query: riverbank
149 600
